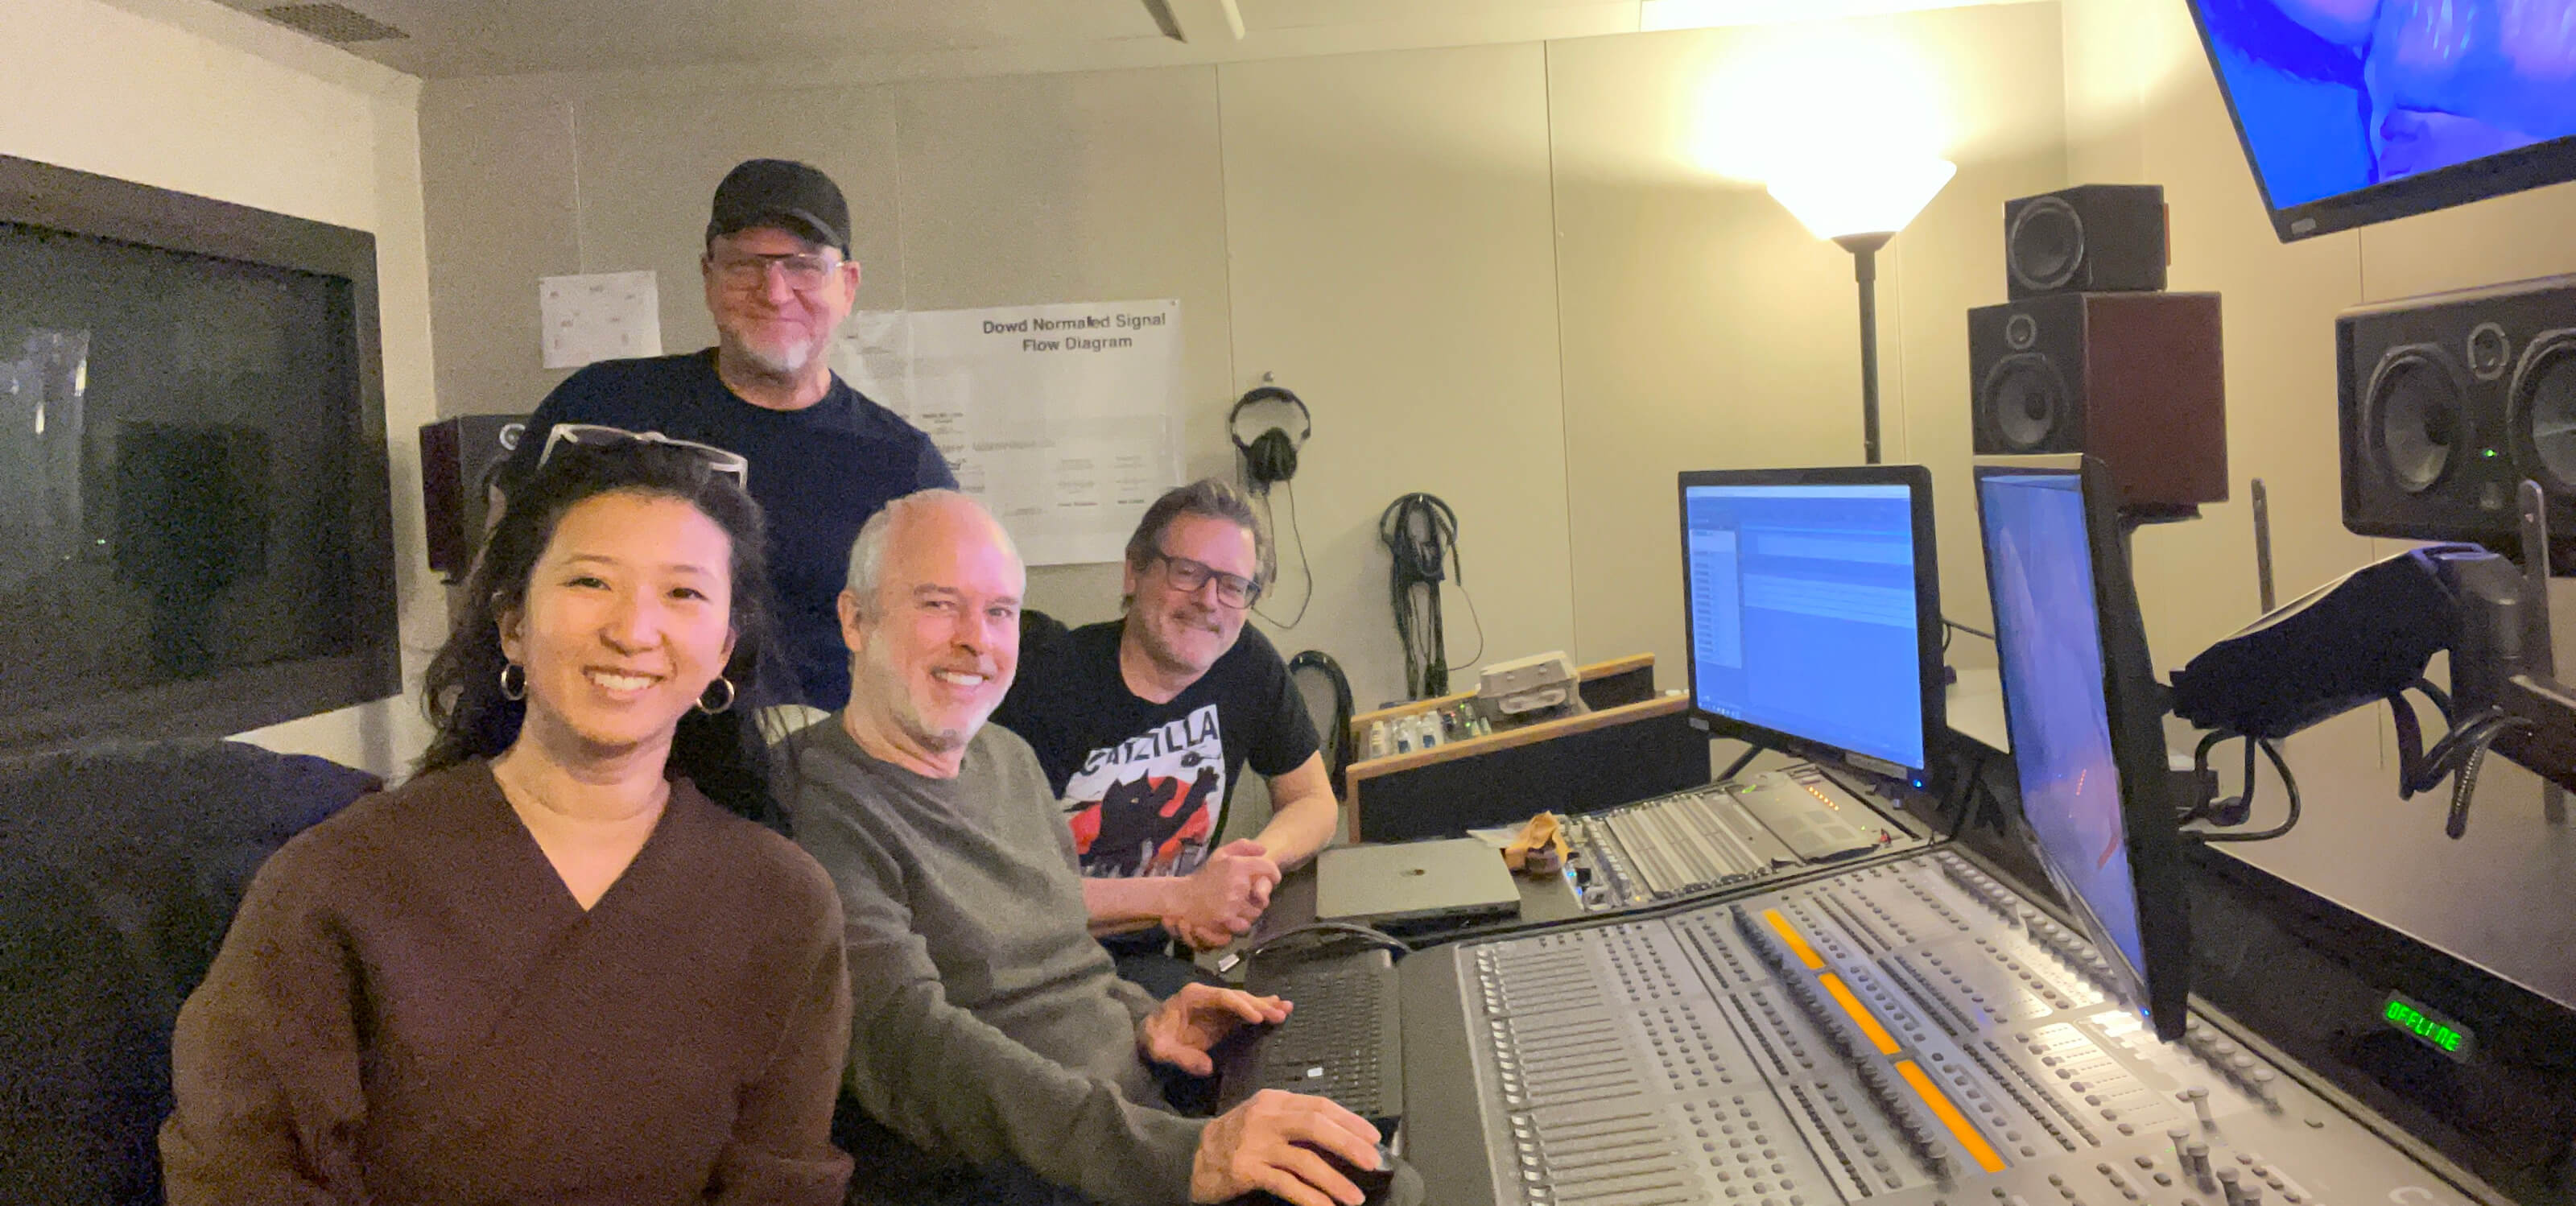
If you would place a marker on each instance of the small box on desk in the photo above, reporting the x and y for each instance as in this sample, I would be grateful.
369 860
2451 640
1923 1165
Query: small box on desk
1633 745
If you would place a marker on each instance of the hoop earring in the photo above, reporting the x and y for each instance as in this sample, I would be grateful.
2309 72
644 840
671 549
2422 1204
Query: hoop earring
719 709
515 688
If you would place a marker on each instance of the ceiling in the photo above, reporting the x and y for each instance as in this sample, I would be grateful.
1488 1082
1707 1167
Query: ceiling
915 37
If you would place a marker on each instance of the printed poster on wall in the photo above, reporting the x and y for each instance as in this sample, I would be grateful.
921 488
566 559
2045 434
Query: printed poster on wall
599 316
1064 419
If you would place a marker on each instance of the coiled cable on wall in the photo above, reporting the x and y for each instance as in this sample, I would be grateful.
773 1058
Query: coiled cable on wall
1421 537
1338 750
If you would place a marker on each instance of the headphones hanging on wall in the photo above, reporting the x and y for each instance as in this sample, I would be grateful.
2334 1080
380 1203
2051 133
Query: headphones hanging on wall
1270 457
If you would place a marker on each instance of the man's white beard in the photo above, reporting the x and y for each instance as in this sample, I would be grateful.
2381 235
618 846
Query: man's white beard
783 362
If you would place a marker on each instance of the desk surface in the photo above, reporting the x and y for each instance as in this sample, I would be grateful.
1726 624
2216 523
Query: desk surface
1975 705
2499 897
1292 904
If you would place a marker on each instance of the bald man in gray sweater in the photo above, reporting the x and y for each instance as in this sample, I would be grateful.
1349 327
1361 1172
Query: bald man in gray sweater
991 1031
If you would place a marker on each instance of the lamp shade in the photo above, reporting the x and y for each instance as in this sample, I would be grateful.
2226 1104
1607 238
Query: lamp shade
1836 199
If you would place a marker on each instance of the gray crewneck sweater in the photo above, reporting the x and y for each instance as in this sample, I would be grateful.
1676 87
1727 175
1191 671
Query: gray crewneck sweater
988 1024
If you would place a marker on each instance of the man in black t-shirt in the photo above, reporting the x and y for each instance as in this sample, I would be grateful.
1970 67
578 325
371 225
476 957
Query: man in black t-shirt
1144 725
823 457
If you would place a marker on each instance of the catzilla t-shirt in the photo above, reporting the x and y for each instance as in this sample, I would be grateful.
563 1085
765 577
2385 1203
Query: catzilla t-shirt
1144 786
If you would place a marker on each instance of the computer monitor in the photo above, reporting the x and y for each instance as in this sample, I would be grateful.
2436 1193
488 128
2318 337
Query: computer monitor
1814 609
2086 720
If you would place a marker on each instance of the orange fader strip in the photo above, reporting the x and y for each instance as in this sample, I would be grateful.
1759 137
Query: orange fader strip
1797 942
1965 1132
1860 1013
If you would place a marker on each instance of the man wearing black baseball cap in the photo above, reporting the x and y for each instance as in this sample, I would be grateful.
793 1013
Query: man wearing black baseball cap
779 280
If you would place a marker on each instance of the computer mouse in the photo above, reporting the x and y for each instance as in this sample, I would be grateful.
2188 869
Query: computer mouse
1385 1185
1372 1181
1391 1183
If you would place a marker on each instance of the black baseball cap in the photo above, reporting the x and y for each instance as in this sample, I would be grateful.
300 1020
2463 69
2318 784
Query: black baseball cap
783 193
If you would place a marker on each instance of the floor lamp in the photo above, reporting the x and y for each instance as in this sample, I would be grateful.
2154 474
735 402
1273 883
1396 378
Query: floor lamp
1861 207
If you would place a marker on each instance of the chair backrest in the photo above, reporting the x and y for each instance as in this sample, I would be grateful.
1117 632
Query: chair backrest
120 868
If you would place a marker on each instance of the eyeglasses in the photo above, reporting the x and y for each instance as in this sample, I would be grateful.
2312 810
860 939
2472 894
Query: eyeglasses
1233 590
597 435
805 272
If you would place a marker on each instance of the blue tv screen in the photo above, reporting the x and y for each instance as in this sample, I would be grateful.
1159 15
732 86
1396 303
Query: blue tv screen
2357 111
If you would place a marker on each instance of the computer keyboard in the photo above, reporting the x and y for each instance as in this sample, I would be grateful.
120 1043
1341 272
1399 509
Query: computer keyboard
1343 1040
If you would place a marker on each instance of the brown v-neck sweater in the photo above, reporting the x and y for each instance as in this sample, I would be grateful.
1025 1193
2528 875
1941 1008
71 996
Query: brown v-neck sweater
411 1007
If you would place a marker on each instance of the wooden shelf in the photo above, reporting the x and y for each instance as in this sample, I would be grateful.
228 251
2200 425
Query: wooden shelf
1598 670
1504 739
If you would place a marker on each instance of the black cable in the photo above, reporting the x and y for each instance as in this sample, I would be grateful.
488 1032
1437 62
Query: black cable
1736 767
2452 750
1947 624
1973 786
1474 621
2222 810
1420 533
1338 751
2441 699
2410 741
2200 767
2289 784
1303 569
2466 786
1324 935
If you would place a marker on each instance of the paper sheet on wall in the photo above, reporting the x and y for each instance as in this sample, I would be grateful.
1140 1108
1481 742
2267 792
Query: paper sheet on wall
1064 419
599 316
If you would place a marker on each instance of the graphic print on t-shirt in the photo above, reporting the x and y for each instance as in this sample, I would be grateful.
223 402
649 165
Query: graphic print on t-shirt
1148 805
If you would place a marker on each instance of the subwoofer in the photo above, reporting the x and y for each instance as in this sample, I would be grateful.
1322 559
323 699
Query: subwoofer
2093 238
2137 379
457 458
2449 402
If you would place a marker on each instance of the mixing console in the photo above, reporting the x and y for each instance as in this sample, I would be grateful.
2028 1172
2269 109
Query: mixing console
1728 833
1909 1031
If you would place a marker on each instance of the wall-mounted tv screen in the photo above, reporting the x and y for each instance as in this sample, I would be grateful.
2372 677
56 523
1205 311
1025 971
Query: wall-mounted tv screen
2359 111
195 535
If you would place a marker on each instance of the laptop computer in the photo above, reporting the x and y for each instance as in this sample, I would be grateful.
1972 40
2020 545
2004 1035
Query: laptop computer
1411 883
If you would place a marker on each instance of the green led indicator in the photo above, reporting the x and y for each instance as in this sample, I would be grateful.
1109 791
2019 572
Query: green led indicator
2433 1030
2488 453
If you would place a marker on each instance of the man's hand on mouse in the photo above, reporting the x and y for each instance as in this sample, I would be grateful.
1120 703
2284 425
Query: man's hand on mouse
1277 1142
1198 1017
1218 903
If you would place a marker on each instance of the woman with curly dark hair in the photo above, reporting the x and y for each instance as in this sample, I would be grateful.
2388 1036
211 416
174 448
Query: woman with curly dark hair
570 959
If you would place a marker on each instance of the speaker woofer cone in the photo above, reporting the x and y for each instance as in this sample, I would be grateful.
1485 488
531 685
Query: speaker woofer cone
2415 418
2025 403
2044 249
2541 410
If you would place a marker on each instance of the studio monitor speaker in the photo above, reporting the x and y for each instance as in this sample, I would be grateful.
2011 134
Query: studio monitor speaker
457 457
2449 402
2136 379
2093 238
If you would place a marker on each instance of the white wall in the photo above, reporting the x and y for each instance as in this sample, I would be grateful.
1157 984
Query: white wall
1706 329
191 96
1496 273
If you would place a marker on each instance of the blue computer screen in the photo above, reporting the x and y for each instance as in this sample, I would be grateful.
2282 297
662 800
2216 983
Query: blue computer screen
1802 613
2048 636
2339 95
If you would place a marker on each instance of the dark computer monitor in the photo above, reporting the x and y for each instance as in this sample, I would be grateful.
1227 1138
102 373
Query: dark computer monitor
2086 719
1814 609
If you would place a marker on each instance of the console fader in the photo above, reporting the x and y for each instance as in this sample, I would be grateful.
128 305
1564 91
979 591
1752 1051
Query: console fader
1910 1031
1722 835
